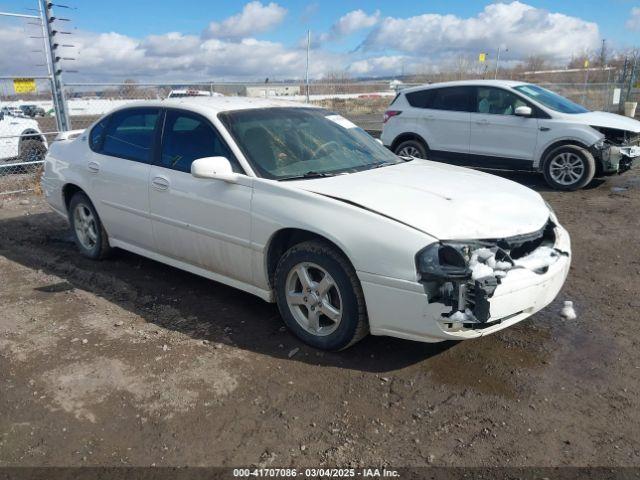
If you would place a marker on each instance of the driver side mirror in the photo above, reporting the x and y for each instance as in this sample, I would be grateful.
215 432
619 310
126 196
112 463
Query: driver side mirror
523 111
216 168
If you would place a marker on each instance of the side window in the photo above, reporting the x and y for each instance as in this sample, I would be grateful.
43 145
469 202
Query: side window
456 99
96 136
497 101
421 98
130 133
187 137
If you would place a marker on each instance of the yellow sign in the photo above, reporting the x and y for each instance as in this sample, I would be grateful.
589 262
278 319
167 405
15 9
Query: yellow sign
586 64
482 57
24 85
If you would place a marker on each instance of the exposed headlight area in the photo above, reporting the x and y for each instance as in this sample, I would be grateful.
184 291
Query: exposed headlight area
465 275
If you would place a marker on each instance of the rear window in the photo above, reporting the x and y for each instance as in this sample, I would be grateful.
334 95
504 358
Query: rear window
130 134
457 99
420 98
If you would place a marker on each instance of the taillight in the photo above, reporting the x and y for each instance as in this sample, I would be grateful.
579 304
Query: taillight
390 113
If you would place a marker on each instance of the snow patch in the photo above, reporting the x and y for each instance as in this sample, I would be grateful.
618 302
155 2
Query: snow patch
463 317
568 312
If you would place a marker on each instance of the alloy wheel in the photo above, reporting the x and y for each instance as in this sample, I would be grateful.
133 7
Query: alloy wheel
409 151
85 226
566 168
314 299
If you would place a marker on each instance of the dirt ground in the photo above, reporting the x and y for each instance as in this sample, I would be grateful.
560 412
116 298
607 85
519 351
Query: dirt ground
131 362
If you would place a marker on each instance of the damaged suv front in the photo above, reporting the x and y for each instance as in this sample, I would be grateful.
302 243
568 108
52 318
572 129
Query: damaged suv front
617 151
478 287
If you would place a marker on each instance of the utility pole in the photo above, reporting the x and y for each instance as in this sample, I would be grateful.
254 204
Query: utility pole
307 67
59 102
498 62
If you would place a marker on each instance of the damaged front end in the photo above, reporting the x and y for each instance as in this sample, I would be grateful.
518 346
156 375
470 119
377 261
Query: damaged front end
464 275
618 150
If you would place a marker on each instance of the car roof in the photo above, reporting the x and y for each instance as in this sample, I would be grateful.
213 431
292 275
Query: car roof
466 83
215 105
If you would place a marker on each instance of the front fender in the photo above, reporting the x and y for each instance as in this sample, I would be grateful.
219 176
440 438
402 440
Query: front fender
373 243
561 133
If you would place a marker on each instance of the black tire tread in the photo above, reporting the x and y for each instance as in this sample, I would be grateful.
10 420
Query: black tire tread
324 249
105 248
420 144
31 144
590 167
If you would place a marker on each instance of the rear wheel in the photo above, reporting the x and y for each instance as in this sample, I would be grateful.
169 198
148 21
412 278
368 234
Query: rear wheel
411 148
319 296
569 167
89 234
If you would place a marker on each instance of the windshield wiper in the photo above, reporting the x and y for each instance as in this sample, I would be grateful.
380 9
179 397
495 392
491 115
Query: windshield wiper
310 174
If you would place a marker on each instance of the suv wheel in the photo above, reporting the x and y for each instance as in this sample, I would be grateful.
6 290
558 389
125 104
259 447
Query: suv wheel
88 232
411 148
32 150
569 167
319 296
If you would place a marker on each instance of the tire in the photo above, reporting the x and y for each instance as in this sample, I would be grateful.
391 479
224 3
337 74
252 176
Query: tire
91 237
343 295
569 167
32 150
411 148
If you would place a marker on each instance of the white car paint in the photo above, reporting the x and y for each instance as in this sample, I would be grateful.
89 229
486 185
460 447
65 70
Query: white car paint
379 218
12 130
494 135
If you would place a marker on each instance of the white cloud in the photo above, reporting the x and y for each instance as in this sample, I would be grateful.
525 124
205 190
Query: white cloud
634 20
346 25
255 18
393 46
354 21
172 44
383 65
522 28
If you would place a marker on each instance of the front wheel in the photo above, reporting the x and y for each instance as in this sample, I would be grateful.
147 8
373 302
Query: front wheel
319 296
569 167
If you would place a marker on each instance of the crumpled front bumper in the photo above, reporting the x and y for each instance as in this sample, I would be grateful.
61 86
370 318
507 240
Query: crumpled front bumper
617 159
401 309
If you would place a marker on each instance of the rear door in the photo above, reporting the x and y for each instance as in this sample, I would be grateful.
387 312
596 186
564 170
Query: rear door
118 171
202 222
499 138
444 121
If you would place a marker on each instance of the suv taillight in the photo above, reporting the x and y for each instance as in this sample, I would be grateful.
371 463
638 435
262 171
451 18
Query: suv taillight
390 113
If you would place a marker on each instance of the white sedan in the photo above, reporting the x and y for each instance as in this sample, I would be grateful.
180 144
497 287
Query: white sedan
300 207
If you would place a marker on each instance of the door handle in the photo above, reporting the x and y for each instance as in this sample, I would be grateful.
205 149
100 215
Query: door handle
429 117
544 129
93 167
160 183
482 122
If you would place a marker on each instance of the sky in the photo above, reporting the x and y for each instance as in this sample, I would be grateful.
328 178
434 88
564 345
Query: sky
250 40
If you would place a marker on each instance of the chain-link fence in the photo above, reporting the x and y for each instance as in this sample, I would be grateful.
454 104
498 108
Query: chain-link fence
28 123
27 127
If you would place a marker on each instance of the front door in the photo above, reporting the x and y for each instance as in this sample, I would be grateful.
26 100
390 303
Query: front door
499 138
203 222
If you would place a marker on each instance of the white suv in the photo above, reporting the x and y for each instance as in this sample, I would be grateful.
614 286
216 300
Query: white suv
511 125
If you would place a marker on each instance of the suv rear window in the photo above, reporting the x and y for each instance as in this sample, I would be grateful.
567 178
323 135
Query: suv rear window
420 98
456 99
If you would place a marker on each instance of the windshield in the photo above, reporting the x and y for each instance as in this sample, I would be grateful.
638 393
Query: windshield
283 143
550 99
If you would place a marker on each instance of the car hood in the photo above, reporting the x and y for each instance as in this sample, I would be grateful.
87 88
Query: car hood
606 120
447 202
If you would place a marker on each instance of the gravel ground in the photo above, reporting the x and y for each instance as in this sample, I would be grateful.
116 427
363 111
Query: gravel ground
131 362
